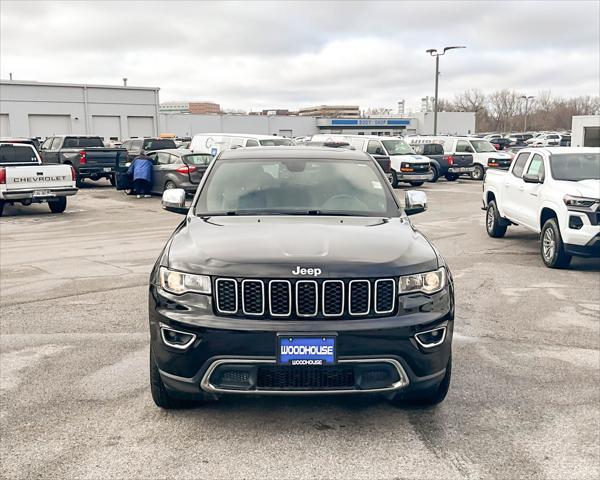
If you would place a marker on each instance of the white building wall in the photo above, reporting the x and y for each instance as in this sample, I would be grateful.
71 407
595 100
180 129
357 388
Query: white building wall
579 124
191 124
449 123
20 100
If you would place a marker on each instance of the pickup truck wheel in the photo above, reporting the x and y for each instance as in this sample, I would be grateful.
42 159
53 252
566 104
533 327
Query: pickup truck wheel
451 177
394 179
429 397
416 184
492 221
1 207
552 247
58 205
477 173
112 180
436 174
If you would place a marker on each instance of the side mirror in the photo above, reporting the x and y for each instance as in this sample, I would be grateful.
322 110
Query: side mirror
415 202
173 200
531 178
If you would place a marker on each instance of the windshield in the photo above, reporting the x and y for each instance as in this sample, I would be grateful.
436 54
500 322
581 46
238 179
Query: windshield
296 187
198 159
161 144
276 142
72 142
397 147
482 146
573 167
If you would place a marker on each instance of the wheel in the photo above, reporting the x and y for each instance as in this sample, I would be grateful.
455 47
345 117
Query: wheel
436 174
394 179
477 174
1 207
160 395
58 205
112 180
552 247
416 184
492 221
170 185
429 397
451 177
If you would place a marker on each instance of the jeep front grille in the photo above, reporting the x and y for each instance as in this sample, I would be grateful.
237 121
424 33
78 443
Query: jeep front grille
280 298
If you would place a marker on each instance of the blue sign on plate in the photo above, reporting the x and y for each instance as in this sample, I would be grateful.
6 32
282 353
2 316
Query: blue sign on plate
306 350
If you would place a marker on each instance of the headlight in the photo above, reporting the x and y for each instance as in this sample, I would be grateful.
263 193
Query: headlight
179 282
575 203
428 282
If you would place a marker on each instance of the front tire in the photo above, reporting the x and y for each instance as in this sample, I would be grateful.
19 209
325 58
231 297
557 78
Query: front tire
59 205
552 247
477 173
394 179
493 223
416 184
430 397
160 395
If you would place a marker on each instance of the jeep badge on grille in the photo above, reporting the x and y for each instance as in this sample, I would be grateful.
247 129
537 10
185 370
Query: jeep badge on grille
306 271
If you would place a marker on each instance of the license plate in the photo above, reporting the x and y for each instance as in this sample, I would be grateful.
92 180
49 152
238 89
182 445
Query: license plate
301 350
42 193
107 169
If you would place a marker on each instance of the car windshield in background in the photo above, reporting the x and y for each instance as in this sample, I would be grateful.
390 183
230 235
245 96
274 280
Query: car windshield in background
296 187
162 144
397 147
482 146
76 142
574 167
17 154
276 142
198 159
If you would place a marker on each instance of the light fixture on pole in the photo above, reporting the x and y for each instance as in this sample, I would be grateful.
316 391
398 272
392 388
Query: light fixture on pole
434 53
526 98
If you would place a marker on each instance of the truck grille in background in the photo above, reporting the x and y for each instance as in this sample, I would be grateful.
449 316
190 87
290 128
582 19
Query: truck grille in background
420 167
305 298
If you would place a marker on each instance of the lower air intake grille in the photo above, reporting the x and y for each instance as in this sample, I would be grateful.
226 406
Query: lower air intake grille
305 378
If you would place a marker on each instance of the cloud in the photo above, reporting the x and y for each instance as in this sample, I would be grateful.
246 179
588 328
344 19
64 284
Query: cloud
290 54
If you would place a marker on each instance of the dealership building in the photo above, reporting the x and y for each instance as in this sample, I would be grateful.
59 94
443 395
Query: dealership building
40 109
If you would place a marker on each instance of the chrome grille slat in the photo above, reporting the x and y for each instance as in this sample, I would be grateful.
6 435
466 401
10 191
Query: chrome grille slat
303 298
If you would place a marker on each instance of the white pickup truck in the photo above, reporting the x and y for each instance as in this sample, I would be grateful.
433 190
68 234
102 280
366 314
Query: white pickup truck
554 192
24 179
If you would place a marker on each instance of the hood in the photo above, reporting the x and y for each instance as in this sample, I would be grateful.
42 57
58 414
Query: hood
272 246
584 188
412 158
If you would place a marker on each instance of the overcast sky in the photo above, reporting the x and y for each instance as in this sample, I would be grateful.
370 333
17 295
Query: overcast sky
292 54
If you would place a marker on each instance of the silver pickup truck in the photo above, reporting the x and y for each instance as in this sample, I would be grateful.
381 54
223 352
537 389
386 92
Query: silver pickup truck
24 179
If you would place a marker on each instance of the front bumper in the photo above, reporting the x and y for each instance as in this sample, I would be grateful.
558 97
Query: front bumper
374 343
590 249
414 177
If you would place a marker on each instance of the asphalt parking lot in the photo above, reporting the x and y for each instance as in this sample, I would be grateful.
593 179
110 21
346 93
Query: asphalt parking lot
75 403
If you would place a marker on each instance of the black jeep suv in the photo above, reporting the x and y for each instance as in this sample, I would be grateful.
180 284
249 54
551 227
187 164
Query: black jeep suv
296 271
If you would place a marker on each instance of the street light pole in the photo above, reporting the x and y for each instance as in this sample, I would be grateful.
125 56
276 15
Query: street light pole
434 53
527 98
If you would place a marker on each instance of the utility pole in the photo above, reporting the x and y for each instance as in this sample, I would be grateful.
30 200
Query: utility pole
434 53
526 98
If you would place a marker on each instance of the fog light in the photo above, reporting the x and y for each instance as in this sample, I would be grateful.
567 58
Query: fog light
176 338
575 222
431 338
